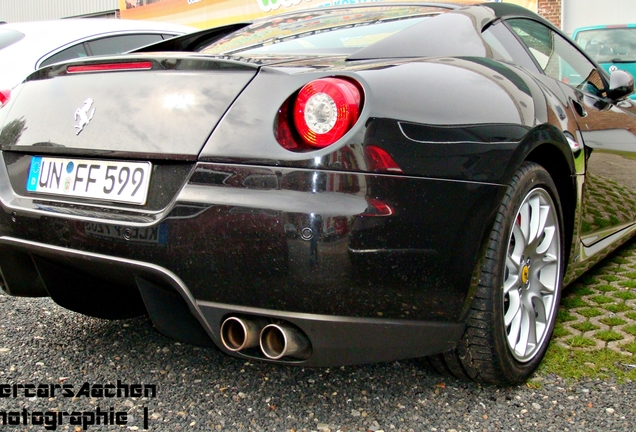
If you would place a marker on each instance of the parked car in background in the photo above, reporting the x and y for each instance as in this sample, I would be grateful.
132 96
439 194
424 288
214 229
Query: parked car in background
611 46
27 46
316 189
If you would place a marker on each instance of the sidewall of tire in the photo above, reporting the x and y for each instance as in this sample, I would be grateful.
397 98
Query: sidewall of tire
530 176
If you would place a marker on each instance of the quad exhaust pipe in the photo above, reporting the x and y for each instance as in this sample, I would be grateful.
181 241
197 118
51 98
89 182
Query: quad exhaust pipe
275 340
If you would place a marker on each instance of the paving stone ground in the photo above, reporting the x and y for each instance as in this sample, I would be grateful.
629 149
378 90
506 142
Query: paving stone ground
599 309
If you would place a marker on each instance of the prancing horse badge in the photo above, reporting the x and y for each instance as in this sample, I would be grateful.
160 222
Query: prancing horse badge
84 115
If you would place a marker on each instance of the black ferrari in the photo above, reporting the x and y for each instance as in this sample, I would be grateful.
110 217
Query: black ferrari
329 187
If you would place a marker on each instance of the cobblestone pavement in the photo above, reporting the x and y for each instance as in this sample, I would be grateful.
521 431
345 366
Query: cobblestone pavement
599 310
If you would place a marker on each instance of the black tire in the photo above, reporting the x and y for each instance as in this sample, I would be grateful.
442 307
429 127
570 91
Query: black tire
518 279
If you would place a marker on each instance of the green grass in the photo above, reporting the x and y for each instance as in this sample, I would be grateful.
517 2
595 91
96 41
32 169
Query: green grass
617 308
631 347
581 290
609 278
560 331
612 321
588 280
567 363
625 295
585 326
628 284
570 302
600 299
631 315
580 342
563 315
606 288
630 329
618 260
608 335
589 312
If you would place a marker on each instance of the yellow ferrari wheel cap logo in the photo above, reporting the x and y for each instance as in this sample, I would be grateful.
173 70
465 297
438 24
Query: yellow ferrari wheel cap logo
525 272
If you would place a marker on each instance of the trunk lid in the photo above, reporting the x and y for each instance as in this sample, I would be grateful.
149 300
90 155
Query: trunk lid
166 109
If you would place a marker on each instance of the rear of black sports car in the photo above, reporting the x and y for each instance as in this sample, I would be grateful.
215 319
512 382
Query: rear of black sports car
213 186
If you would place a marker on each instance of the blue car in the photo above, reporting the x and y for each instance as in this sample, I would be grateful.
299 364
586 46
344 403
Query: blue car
613 47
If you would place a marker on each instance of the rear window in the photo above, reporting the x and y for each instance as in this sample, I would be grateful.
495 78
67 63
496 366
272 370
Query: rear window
103 46
321 31
122 44
9 37
76 51
611 45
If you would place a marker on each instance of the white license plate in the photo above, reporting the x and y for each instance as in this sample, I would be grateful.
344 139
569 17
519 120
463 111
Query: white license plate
82 178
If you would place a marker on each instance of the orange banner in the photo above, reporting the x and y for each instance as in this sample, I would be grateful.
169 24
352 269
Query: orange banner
212 13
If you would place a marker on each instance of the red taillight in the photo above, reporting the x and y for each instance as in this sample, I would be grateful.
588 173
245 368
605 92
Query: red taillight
379 160
104 67
283 131
4 97
323 112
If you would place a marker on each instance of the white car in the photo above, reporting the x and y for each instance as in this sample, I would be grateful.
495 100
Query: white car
27 46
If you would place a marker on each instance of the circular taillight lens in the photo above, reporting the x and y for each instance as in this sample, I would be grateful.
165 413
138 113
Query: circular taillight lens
325 110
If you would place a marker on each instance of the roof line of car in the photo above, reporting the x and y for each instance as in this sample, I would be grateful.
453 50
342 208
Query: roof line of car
444 5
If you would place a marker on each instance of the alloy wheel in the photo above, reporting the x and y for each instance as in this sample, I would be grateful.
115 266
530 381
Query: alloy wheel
531 275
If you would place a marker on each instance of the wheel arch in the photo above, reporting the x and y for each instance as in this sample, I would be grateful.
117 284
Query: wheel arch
484 353
548 146
553 162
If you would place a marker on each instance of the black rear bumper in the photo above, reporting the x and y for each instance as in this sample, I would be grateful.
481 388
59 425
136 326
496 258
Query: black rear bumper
92 283
368 267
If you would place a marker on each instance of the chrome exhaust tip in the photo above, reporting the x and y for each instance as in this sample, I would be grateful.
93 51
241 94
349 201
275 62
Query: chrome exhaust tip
238 334
281 340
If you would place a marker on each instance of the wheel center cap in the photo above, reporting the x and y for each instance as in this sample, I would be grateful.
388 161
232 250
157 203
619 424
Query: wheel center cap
525 273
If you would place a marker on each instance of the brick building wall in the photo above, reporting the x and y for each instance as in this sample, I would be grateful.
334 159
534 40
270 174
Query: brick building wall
550 10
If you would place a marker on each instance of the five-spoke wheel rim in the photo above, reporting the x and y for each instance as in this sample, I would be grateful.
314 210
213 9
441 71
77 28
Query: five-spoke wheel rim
531 277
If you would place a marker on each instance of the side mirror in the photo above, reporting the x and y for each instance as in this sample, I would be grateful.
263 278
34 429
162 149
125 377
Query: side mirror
621 85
